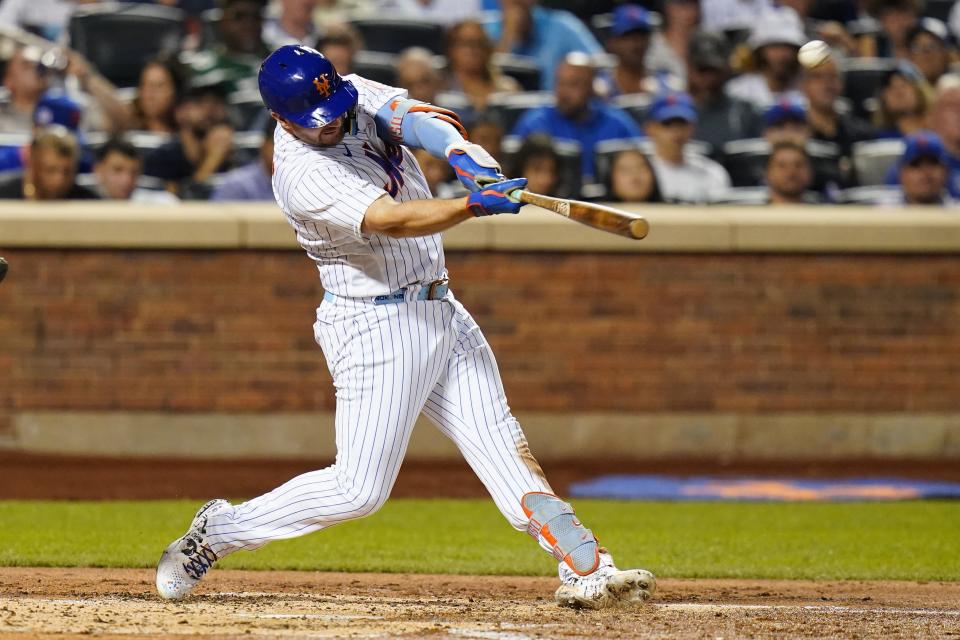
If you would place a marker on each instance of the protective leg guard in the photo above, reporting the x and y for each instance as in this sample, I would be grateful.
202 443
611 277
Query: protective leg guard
553 520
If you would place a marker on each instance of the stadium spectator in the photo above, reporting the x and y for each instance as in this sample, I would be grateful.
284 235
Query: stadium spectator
159 92
470 68
54 108
629 41
786 121
903 102
292 25
488 134
729 15
774 41
789 174
117 170
25 81
50 170
929 50
822 87
945 122
546 35
252 181
720 118
203 143
538 162
895 18
670 47
417 73
46 18
923 170
235 58
340 44
578 115
682 175
446 12
632 178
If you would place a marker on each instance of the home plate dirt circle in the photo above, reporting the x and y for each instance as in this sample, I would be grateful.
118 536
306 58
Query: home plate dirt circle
46 603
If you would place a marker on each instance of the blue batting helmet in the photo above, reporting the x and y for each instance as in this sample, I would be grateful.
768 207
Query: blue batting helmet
301 85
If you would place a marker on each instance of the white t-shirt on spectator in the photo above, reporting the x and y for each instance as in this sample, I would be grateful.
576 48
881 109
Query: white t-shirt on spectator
48 17
699 179
753 88
718 15
445 12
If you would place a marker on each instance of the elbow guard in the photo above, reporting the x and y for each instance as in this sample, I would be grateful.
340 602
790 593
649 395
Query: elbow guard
402 107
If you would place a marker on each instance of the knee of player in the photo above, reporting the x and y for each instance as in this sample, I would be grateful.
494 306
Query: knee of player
368 501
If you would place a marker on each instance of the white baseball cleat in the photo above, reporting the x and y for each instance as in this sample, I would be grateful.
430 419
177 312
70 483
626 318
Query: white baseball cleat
188 559
605 587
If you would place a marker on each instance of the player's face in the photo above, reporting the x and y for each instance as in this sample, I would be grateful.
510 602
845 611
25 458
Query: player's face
328 136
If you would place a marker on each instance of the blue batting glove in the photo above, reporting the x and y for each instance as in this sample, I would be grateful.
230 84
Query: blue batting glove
474 167
495 198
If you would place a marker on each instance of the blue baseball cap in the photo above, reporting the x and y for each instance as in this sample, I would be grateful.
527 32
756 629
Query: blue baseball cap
56 107
785 110
628 18
923 144
673 105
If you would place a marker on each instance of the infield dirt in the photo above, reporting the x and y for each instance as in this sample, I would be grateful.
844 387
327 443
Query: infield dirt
47 603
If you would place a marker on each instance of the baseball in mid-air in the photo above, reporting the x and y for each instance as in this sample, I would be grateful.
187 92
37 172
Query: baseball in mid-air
813 54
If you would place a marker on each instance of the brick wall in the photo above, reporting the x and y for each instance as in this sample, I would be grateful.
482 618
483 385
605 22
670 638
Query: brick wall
743 333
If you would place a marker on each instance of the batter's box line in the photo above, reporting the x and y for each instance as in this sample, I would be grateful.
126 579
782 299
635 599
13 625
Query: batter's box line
712 608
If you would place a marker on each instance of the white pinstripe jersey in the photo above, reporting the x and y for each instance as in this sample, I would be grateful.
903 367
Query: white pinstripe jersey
324 194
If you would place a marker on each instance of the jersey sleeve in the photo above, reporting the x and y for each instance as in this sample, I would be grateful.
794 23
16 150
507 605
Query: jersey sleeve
336 197
373 95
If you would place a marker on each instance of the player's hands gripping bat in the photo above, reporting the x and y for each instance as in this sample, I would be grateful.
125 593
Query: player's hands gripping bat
498 197
628 225
475 168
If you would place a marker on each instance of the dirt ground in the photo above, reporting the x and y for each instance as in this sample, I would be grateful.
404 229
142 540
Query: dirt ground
65 603
48 603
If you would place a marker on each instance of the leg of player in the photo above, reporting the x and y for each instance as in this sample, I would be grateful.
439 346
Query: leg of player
384 364
469 405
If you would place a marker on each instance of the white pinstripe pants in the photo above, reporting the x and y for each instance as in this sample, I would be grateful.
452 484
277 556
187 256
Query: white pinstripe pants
390 362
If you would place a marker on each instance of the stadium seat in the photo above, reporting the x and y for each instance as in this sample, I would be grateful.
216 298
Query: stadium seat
861 79
635 104
873 158
569 153
507 108
870 195
583 9
746 161
939 9
376 65
246 146
523 69
119 38
745 195
393 35
247 112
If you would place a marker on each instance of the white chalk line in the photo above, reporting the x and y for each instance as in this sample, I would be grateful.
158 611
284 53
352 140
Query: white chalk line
674 606
815 608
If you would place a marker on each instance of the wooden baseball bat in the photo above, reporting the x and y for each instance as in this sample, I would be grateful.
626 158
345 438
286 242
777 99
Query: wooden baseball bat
622 223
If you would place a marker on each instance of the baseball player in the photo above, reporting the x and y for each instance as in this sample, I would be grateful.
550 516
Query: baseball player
396 340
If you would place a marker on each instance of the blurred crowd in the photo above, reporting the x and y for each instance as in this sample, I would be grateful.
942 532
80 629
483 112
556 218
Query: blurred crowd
683 101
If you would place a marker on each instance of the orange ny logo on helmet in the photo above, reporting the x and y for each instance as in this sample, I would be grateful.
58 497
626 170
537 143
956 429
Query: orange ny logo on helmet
323 85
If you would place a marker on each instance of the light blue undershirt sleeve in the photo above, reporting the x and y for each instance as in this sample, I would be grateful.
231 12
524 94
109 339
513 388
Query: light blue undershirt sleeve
420 131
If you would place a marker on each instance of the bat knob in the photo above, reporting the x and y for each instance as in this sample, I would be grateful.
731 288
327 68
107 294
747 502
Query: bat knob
639 228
